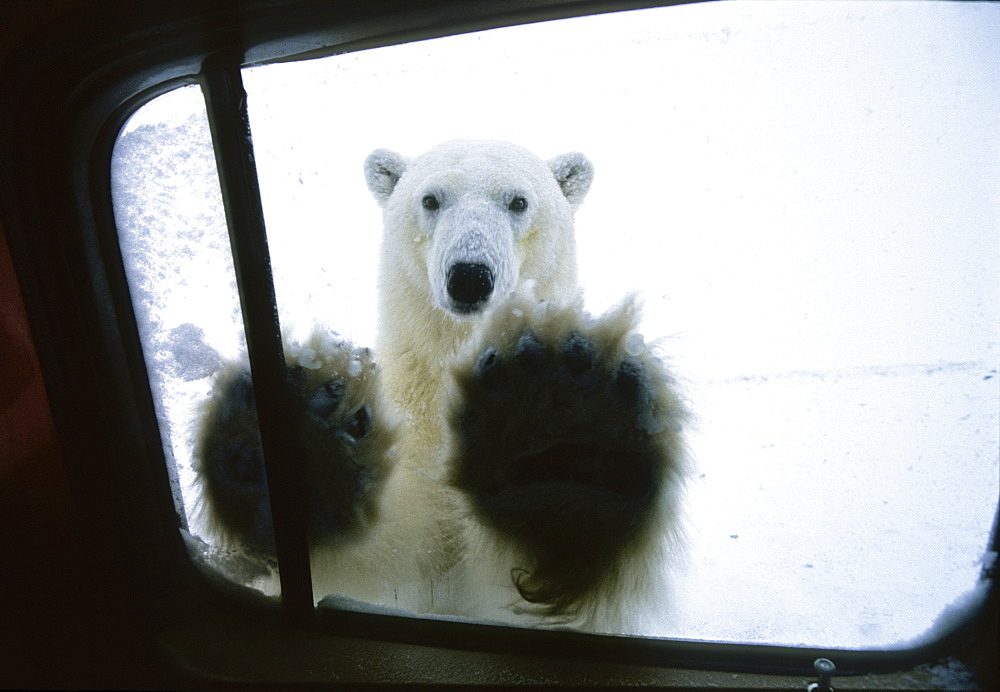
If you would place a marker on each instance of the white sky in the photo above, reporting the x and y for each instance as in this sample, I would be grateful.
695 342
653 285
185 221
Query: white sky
808 197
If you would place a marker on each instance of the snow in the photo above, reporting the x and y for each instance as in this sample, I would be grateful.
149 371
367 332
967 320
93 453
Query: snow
635 345
354 368
806 196
836 509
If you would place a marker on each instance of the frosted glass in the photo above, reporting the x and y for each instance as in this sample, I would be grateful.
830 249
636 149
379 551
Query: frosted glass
175 245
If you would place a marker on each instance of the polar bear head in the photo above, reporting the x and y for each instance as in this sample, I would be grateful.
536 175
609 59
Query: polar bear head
470 219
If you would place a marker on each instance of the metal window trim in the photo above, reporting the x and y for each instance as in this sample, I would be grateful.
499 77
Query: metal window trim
284 459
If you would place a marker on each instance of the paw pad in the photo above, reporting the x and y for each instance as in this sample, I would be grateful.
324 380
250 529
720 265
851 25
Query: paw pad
559 446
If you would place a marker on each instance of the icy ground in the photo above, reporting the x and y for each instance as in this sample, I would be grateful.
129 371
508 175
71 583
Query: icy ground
806 194
842 508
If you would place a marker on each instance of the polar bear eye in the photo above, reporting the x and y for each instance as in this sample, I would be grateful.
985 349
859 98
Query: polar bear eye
518 204
430 202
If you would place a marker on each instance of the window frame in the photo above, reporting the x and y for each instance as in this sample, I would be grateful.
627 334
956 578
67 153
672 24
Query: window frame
79 89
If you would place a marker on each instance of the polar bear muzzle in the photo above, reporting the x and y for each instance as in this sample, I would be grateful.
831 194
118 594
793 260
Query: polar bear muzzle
469 286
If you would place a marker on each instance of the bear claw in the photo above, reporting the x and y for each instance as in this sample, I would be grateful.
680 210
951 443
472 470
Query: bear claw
630 383
580 353
488 365
530 352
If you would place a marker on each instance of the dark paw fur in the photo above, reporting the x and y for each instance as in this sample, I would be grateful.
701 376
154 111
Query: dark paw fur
231 463
345 450
556 452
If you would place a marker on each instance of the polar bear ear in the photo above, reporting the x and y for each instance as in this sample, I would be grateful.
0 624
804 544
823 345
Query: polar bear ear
383 168
574 172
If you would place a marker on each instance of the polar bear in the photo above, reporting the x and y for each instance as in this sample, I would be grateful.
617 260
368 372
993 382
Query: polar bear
510 458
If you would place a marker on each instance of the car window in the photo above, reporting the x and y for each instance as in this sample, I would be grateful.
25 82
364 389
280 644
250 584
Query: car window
805 196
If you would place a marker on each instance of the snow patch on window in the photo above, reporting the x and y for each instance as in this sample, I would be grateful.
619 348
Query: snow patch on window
175 246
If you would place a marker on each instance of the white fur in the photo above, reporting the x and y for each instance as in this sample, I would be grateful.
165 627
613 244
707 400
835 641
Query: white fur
428 548
421 339
418 336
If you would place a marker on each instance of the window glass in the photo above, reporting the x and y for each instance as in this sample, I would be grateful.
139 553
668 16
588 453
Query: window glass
175 245
805 194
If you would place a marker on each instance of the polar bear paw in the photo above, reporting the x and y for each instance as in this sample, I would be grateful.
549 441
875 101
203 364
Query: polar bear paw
567 445
342 430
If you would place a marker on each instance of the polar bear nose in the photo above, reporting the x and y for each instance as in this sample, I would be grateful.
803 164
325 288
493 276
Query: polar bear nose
469 285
